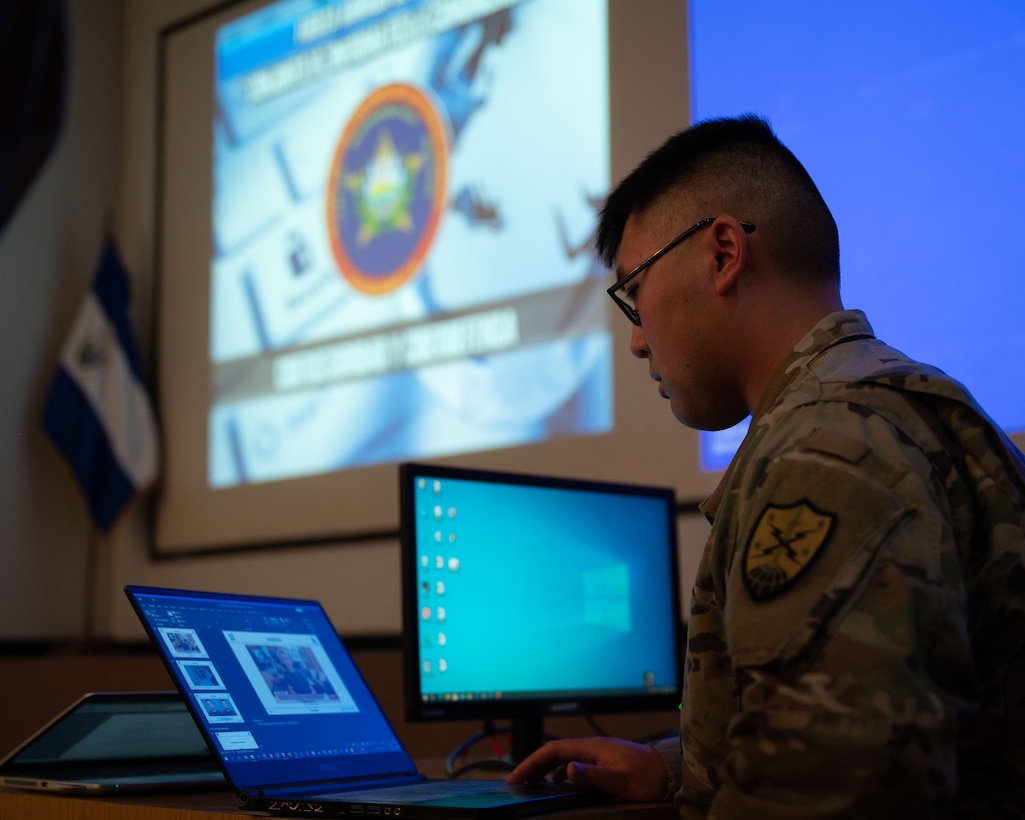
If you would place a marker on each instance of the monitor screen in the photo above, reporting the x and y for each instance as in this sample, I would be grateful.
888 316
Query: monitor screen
527 596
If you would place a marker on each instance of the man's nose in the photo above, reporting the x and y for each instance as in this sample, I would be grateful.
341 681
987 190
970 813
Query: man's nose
638 344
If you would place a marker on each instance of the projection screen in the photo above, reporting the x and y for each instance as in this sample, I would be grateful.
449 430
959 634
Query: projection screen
376 225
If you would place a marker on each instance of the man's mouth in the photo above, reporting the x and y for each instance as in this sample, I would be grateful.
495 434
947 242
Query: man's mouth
661 385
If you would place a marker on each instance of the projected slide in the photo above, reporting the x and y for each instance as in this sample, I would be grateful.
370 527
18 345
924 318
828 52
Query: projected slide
404 201
909 123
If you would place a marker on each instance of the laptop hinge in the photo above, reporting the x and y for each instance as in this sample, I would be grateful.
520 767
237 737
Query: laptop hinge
279 790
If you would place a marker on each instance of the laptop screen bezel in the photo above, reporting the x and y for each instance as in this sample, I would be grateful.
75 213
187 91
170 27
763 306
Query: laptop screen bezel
267 775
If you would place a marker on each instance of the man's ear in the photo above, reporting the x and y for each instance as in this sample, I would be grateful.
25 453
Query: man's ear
730 247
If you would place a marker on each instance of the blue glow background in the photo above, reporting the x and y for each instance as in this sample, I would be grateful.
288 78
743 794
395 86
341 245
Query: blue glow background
908 116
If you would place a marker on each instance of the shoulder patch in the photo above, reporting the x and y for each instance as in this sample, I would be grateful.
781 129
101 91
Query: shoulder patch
783 544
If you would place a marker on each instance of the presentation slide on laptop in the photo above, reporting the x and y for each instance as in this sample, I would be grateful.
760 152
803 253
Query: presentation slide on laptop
270 682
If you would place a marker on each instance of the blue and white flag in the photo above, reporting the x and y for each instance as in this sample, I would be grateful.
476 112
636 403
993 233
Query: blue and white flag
98 412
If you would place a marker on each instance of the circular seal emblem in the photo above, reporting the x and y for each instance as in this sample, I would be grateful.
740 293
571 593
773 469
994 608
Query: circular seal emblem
386 191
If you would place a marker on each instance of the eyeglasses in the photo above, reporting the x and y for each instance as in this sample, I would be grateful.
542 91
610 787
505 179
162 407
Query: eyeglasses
624 298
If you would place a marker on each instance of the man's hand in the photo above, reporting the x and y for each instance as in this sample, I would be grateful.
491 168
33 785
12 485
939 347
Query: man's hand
629 771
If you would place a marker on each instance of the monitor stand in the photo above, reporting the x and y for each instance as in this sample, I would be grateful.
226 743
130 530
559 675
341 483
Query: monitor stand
527 735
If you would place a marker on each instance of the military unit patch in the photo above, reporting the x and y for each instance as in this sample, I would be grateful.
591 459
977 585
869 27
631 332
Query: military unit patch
783 544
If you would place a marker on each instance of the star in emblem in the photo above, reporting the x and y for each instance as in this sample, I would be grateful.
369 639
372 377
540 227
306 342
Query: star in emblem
383 190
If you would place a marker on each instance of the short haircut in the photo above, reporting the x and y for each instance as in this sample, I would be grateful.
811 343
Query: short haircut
736 166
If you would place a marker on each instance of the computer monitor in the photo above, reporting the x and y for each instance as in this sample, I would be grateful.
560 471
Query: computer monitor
526 596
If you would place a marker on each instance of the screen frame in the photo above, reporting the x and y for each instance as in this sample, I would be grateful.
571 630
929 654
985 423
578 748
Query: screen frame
26 757
526 714
244 775
646 101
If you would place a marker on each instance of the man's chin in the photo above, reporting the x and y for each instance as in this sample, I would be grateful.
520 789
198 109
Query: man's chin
684 418
706 423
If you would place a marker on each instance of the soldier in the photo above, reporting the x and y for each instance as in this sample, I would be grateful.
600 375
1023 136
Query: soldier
856 640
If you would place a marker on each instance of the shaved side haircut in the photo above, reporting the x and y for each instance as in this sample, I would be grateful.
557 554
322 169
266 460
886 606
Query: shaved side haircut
735 166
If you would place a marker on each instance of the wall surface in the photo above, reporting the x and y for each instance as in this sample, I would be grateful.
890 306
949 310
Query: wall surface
47 254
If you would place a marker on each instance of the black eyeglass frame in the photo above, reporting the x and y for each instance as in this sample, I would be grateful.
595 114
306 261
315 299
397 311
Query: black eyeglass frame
630 310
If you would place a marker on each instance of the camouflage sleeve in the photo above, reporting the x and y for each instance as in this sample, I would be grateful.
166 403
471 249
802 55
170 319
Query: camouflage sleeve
846 626
669 749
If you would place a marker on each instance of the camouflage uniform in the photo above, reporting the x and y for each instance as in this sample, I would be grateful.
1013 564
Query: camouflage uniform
857 631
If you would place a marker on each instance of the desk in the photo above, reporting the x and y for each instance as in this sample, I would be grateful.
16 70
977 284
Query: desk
223 805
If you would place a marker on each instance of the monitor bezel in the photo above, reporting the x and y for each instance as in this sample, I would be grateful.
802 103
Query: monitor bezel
531 708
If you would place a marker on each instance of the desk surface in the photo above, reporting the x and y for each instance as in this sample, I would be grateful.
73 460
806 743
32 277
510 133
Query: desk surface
223 805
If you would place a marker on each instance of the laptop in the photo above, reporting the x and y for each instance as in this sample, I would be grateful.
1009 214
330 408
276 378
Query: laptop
294 725
108 742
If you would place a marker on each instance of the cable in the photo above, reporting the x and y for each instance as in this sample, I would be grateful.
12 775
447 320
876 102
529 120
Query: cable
499 762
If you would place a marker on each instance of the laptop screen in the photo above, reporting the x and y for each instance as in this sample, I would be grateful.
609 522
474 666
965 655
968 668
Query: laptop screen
272 687
117 726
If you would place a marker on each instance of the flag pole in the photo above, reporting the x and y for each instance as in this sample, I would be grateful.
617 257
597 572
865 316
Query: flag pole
99 415
92 557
